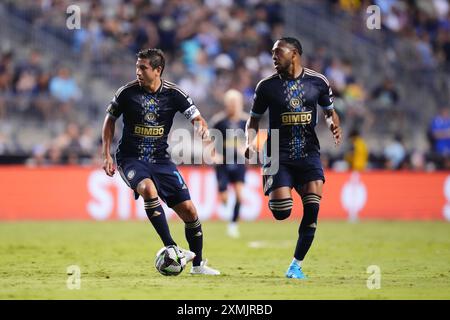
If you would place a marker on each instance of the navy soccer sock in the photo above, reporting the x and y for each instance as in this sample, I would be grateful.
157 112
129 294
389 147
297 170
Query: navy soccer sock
194 236
307 229
281 208
237 206
156 215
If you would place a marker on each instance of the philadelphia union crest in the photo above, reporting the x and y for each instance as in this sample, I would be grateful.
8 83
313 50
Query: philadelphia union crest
150 116
294 102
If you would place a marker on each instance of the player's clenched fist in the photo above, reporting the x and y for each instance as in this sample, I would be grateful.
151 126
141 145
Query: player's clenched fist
337 133
108 166
201 127
203 132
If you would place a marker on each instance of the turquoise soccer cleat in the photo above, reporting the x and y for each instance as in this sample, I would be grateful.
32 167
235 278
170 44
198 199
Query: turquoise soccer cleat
295 272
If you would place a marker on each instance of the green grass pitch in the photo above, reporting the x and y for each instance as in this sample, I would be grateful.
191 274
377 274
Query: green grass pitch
116 260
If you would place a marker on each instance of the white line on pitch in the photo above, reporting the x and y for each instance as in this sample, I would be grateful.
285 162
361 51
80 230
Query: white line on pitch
270 244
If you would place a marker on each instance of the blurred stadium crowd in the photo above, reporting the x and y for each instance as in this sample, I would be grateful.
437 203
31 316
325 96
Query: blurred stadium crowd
55 83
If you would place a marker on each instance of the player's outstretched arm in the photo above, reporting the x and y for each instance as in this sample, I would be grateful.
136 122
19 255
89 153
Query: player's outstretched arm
107 137
251 131
334 124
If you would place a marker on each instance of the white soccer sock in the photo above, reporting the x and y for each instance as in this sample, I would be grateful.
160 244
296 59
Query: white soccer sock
298 262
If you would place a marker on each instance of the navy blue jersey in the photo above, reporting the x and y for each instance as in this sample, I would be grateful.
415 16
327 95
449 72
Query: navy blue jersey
232 143
293 110
147 119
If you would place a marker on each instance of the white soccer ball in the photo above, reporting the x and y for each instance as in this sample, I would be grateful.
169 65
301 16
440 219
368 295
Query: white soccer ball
170 261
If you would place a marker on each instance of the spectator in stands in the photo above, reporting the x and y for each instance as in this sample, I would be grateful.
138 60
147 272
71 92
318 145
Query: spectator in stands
336 73
38 157
6 72
55 155
440 130
358 155
69 143
27 74
395 153
355 99
64 87
386 95
442 47
440 135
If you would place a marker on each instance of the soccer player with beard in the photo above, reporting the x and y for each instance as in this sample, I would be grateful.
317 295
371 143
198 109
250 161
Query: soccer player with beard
292 96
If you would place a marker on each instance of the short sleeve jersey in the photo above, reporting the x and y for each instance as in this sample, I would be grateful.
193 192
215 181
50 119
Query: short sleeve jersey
293 110
148 118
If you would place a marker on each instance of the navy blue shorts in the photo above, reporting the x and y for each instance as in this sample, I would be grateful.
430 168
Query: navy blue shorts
229 173
294 175
168 181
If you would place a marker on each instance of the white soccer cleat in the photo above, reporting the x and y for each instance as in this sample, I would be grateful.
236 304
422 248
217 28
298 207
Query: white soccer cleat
204 269
233 230
189 255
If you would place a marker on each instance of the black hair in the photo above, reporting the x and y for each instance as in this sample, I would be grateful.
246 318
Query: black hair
155 56
293 42
354 132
